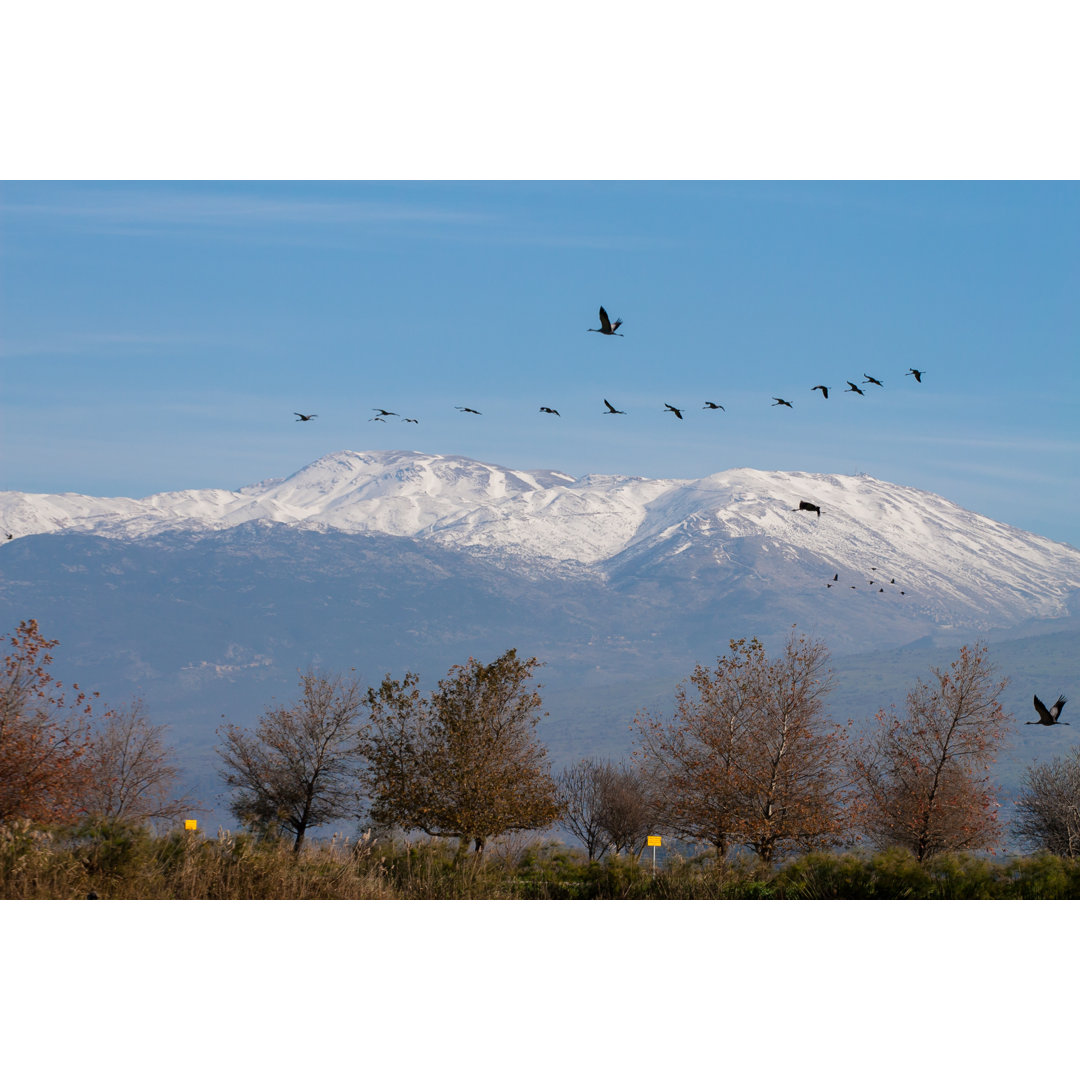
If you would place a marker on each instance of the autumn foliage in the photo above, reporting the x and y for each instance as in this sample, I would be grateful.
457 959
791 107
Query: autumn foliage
44 734
924 775
749 757
463 762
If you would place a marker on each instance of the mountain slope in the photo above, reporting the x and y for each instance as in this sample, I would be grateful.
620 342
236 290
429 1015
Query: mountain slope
734 529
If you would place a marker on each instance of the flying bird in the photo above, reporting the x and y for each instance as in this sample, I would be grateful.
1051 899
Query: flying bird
465 408
1047 717
381 418
303 417
409 420
385 412
611 409
606 325
824 390
9 536
852 388
713 405
671 408
781 401
553 412
915 371
804 505
870 378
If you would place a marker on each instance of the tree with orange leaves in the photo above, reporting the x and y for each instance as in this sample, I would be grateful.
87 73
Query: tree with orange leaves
44 736
750 757
924 777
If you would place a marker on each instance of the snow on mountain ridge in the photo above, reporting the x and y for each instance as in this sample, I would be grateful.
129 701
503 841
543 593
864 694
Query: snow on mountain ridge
949 555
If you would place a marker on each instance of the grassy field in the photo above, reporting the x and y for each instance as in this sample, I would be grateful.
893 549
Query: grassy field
124 863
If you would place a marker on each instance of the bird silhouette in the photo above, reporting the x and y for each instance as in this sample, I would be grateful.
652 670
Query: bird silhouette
606 325
611 409
382 419
671 408
1048 717
871 379
409 420
836 577
852 388
915 371
804 505
824 390
301 416
553 412
781 401
465 408
385 412
713 405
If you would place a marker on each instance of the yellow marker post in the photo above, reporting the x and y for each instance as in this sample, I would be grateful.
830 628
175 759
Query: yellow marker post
654 843
190 825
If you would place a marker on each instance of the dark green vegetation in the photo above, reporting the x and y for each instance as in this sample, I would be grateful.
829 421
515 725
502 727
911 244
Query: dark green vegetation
122 862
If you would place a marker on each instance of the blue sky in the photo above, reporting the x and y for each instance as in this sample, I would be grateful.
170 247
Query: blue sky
159 336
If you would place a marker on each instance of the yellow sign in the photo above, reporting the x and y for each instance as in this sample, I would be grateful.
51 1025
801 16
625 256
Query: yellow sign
654 841
191 824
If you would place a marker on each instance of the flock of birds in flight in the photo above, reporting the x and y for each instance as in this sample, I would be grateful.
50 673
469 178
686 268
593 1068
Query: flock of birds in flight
611 329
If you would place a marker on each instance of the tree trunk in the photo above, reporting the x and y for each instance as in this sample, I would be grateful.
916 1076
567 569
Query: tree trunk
462 851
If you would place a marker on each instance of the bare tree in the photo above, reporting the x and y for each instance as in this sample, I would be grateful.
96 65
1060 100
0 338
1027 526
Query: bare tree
749 757
580 796
465 762
924 778
1047 812
131 772
605 806
625 811
298 769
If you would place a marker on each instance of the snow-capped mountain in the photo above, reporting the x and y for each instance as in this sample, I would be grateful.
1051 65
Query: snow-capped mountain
206 603
735 529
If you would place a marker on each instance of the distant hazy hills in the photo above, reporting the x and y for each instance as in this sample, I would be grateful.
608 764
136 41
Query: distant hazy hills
206 602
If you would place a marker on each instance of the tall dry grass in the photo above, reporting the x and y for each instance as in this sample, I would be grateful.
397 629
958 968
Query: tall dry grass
121 862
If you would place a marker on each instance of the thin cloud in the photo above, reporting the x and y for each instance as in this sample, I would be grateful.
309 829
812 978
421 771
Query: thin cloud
95 344
143 211
153 208
1018 445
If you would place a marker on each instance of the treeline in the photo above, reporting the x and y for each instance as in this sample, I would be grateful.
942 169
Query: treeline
748 764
